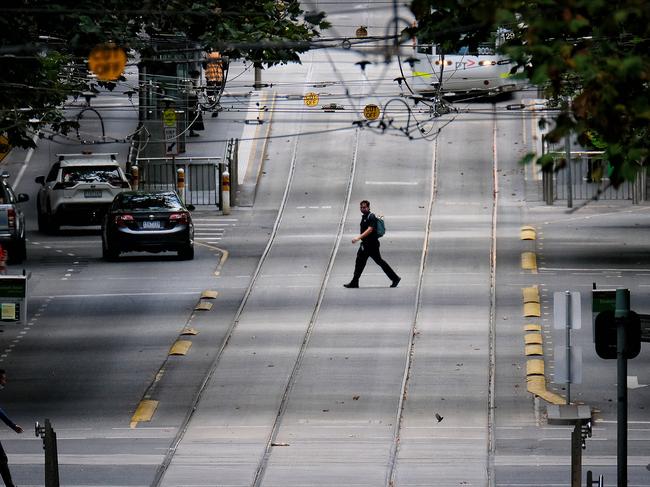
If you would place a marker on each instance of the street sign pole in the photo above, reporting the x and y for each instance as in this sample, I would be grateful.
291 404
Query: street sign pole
568 358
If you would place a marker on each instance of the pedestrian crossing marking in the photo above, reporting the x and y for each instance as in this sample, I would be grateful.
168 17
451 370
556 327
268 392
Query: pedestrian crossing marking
211 229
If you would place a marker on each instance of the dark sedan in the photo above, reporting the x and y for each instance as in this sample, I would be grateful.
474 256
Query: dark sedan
148 221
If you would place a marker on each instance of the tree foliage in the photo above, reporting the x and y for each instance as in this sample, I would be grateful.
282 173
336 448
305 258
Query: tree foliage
591 56
44 45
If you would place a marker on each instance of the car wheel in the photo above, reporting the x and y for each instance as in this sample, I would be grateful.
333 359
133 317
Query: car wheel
186 253
47 223
109 253
42 219
52 225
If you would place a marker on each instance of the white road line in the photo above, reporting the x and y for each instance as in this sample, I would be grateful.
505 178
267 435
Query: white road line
615 422
393 183
64 242
110 295
216 220
201 224
28 157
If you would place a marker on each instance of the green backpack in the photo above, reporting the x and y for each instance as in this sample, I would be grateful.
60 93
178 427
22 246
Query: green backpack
381 226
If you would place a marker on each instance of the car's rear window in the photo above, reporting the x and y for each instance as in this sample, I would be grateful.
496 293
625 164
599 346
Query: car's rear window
149 202
90 174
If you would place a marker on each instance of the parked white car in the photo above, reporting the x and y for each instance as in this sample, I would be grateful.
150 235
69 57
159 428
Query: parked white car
78 190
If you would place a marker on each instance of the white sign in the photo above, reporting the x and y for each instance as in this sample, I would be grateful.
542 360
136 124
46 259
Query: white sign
560 310
567 373
171 141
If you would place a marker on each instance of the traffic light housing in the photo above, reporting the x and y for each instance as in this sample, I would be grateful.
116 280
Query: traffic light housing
605 335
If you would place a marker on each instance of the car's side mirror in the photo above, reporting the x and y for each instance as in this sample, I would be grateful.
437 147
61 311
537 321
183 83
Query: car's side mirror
40 180
22 197
190 207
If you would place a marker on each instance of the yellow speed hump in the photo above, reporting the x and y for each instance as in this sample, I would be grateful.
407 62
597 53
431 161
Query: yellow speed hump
371 112
107 61
311 99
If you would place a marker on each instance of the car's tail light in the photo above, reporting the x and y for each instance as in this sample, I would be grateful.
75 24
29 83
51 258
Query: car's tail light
11 218
182 218
123 220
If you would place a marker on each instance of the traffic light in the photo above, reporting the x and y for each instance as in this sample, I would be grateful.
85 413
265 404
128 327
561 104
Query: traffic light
214 68
605 335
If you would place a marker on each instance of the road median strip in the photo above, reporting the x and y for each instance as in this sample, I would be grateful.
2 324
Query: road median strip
147 407
533 339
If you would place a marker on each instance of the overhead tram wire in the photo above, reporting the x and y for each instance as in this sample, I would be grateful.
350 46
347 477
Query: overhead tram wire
415 132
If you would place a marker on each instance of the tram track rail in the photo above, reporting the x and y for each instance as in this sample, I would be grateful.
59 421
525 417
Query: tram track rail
261 468
391 471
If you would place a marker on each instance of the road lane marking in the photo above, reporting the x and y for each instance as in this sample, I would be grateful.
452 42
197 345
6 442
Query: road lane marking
110 295
393 183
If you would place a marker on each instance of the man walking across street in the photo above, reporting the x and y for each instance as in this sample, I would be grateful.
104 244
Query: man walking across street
369 248
4 466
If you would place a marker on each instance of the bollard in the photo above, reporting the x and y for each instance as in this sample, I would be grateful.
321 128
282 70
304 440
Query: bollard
225 192
48 435
180 183
135 177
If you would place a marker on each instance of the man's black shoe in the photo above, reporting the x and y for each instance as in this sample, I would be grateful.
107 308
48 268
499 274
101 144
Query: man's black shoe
351 284
396 282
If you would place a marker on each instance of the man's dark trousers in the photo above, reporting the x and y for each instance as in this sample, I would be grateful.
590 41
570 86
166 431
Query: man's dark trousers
4 468
371 250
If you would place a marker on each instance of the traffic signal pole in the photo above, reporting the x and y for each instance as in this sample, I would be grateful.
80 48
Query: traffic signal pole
621 314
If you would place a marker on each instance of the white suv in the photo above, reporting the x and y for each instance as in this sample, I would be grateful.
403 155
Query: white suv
78 190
